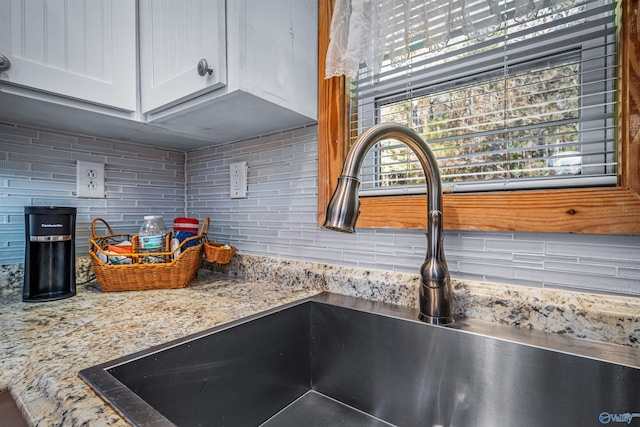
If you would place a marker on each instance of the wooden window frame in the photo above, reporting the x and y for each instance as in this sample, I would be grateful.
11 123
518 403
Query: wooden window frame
606 210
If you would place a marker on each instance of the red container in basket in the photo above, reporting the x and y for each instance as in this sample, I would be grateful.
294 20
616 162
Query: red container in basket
186 224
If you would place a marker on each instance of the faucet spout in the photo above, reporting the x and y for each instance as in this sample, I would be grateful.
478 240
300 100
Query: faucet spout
342 214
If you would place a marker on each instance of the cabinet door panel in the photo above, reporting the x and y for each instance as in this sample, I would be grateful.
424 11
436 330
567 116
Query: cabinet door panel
80 49
174 36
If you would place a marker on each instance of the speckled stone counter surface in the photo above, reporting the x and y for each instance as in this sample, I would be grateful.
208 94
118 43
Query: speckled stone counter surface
44 345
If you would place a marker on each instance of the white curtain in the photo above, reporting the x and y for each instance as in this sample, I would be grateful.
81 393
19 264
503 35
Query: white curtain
365 31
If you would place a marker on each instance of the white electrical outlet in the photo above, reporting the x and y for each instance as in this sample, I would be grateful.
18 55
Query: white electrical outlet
90 181
238 179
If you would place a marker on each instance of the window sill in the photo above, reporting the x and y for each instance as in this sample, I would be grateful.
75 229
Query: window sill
590 210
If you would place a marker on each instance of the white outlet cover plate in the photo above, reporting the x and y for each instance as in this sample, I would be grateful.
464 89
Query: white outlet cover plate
238 180
90 179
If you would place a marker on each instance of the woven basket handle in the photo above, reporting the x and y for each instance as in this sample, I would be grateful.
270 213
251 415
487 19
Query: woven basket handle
204 229
93 227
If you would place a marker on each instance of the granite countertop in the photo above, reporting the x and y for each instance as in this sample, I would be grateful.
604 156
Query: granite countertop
44 345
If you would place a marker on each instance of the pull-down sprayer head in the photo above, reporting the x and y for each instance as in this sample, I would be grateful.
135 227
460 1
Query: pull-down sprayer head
343 208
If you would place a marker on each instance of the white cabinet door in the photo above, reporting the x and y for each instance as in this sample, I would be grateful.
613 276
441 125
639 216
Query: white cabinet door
74 48
174 36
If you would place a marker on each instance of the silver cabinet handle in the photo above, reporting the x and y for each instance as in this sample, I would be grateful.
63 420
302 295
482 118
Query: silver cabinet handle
204 68
5 64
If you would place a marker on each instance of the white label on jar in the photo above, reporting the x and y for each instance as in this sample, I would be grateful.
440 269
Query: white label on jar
151 242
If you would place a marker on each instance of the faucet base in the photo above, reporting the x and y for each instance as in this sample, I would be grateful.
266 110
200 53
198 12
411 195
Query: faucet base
435 320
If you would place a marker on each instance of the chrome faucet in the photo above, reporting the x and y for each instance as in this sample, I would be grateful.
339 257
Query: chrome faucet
342 214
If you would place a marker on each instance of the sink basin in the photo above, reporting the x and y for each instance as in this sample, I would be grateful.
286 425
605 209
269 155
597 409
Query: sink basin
336 360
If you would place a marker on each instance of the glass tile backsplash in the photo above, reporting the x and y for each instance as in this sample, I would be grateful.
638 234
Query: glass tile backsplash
278 218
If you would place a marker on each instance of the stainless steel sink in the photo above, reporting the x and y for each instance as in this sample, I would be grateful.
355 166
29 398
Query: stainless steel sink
335 360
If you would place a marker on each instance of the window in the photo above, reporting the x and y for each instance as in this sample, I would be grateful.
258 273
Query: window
607 210
532 106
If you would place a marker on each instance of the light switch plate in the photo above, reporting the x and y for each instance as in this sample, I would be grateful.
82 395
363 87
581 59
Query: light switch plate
90 179
238 180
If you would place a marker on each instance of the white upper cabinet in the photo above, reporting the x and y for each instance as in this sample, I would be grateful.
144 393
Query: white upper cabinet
78 49
276 44
128 69
175 35
271 75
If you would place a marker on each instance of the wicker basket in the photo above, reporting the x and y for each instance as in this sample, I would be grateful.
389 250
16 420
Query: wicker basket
177 273
216 252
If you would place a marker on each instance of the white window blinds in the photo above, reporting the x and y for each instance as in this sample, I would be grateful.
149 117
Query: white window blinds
530 106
